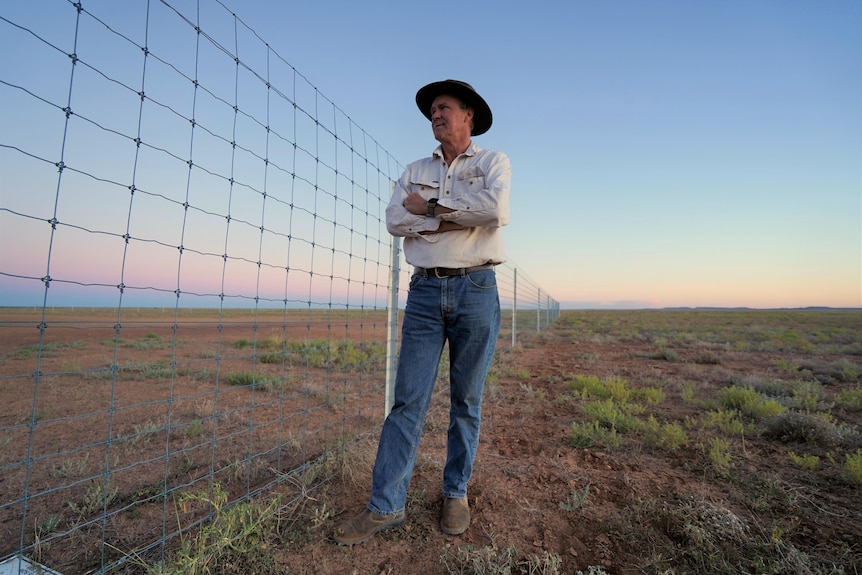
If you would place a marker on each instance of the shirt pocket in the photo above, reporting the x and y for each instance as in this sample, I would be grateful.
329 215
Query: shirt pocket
426 183
427 187
473 178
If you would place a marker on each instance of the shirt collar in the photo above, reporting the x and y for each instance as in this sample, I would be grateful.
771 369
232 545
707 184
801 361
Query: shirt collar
471 150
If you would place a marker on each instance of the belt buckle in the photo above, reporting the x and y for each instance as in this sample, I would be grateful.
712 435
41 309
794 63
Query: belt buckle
437 274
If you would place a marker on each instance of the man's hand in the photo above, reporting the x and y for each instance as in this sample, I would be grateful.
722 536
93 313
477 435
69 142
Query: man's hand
415 204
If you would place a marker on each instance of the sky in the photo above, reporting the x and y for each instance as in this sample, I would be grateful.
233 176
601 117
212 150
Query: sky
664 153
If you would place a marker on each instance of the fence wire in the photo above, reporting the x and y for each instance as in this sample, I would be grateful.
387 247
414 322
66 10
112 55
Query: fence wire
196 271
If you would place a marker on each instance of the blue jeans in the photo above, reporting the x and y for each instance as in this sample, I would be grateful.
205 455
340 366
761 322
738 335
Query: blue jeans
465 311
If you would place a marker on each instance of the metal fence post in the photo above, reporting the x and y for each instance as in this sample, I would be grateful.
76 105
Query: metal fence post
514 304
538 310
392 322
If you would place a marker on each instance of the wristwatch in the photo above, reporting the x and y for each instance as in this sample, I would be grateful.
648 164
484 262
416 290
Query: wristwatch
432 207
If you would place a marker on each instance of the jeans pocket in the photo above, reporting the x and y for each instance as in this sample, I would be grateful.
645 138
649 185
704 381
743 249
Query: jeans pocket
483 279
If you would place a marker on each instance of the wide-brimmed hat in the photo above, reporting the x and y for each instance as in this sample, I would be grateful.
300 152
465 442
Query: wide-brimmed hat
463 91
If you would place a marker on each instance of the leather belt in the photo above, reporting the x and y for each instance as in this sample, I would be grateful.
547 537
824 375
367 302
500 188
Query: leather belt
449 272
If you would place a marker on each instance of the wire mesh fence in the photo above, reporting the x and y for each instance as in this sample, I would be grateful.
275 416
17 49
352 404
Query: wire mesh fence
196 272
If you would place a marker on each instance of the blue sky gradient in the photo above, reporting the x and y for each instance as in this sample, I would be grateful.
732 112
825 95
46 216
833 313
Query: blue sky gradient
665 153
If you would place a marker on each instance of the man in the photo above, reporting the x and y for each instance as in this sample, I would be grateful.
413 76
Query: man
449 209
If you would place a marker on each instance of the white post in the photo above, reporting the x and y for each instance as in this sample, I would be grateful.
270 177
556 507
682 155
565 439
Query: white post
538 310
392 323
514 305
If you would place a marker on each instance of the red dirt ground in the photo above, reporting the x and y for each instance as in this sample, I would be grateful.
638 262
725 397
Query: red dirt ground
526 467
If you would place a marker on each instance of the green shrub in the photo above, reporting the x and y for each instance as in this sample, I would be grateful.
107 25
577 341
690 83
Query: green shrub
97 496
853 467
612 415
727 421
719 456
618 389
275 357
591 434
809 462
237 535
73 467
668 436
274 341
850 399
749 403
587 386
342 355
149 341
240 378
809 396
686 392
650 394
847 371
522 374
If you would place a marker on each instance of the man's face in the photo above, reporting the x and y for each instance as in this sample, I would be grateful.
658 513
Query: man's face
448 120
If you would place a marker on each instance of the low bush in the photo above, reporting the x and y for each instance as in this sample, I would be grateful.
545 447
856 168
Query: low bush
802 428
